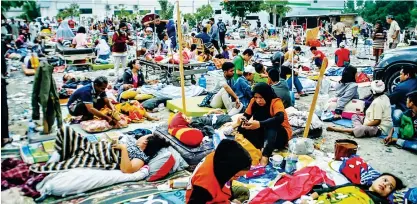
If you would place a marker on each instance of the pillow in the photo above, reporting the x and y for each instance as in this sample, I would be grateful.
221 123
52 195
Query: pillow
160 165
142 97
129 94
358 171
178 127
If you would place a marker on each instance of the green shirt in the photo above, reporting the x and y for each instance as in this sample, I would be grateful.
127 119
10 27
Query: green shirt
239 65
258 79
262 45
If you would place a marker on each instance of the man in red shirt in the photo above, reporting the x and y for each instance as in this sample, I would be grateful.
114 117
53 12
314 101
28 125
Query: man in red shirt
342 56
318 56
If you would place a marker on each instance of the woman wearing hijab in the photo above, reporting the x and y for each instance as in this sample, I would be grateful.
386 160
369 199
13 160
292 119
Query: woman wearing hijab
103 50
20 41
64 31
211 180
346 90
269 127
120 41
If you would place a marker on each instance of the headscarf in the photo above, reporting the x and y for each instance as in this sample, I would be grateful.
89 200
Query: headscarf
267 93
230 158
103 47
64 31
349 75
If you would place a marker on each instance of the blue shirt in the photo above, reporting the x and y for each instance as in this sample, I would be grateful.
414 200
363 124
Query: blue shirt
203 36
243 90
86 94
225 54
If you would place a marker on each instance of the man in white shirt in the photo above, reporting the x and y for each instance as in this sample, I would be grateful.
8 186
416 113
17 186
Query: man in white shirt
393 32
339 28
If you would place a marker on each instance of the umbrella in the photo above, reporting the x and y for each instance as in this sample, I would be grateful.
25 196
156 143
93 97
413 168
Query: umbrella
148 17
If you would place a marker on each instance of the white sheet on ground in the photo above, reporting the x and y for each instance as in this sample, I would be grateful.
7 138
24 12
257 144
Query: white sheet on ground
170 91
80 180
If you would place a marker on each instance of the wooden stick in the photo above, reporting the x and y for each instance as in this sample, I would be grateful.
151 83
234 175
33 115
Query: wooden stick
179 33
316 95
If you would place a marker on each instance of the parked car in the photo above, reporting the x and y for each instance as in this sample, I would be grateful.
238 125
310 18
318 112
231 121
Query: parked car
391 62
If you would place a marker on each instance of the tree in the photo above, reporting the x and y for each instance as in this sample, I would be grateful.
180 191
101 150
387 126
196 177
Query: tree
30 11
72 11
241 8
167 9
190 18
275 7
413 16
204 12
7 5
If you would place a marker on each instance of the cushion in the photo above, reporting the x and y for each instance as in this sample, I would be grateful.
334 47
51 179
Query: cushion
254 153
355 106
160 165
358 171
178 128
142 97
129 94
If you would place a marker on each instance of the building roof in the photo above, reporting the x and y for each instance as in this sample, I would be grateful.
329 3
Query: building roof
315 15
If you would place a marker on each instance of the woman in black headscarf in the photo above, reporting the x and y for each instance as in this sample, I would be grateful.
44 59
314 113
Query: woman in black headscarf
211 180
265 122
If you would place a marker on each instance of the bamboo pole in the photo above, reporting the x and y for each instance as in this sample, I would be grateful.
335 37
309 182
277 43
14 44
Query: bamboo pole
316 94
179 32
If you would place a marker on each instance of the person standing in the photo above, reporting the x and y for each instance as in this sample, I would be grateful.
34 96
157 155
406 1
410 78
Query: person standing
339 28
355 33
214 34
157 25
378 40
185 27
363 29
33 31
393 32
222 32
119 49
15 29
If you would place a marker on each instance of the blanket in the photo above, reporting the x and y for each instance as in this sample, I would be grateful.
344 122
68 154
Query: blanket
207 124
76 151
171 91
299 119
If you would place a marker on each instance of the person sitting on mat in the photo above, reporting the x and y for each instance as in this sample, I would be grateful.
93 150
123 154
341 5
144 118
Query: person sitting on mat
223 91
405 134
261 75
88 100
212 179
377 120
346 90
318 56
378 192
265 122
280 87
242 87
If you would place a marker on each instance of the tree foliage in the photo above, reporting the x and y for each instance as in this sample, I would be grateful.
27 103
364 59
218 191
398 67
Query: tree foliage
404 12
7 5
30 11
167 9
277 7
190 19
241 8
72 11
204 12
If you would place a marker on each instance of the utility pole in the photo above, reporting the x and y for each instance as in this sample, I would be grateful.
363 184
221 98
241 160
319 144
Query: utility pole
193 6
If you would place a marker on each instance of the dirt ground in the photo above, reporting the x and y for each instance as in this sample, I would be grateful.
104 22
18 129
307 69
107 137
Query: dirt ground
382 158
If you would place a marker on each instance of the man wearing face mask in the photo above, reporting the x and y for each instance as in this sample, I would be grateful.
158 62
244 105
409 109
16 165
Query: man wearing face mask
157 24
120 42
151 42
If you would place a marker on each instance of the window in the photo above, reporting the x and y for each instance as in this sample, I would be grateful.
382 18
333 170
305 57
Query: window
252 17
86 11
218 12
315 1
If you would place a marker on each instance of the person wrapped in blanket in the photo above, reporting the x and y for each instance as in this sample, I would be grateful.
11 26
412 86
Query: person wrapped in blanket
265 122
71 83
346 90
405 134
88 100
377 120
136 153
212 179
378 192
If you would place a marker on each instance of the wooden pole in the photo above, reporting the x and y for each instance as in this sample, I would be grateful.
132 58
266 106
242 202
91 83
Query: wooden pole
179 31
316 95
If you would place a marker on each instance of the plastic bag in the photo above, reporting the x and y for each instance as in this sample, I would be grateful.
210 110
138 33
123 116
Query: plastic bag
301 146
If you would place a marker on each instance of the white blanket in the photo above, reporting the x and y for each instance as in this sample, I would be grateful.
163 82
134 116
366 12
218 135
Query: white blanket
170 91
80 180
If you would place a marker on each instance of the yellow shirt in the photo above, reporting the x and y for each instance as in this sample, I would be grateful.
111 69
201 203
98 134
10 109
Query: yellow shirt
208 26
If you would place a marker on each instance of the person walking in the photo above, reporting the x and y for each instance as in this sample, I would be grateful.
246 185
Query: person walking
339 28
393 32
214 34
222 32
379 38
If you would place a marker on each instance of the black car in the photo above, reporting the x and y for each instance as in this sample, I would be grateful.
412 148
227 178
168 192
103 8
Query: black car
390 64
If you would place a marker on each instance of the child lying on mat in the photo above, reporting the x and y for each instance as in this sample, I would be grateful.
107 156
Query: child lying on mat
350 193
377 120
405 135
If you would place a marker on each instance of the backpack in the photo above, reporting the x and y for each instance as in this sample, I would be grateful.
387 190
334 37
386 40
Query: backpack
407 126
222 27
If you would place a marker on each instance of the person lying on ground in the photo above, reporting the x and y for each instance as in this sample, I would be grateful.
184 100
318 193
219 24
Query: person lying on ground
346 90
318 56
265 122
398 99
342 56
240 62
136 153
88 100
212 180
378 192
377 120
261 75
286 72
280 87
242 87
71 81
224 96
405 134
151 42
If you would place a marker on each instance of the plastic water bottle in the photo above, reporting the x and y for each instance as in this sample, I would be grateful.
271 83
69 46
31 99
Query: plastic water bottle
202 81
31 129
